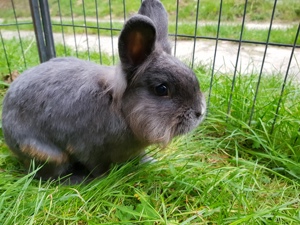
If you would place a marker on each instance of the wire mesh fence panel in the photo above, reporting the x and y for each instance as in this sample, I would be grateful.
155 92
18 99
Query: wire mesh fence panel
227 38
11 29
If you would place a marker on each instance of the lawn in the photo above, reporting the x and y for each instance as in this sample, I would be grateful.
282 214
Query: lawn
240 166
228 171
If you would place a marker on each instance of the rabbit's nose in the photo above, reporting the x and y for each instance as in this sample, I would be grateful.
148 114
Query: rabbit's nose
200 110
198 114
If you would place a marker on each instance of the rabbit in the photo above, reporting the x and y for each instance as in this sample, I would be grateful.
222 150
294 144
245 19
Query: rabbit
72 116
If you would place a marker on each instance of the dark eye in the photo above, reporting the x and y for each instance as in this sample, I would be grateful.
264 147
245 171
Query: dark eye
161 90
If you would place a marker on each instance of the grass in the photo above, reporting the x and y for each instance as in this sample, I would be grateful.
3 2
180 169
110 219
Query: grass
224 172
227 171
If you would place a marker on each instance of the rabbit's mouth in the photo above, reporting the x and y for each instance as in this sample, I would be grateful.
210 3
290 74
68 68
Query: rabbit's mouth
190 120
185 127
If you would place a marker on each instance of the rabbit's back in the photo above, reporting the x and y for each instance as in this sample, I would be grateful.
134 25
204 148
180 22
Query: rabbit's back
60 95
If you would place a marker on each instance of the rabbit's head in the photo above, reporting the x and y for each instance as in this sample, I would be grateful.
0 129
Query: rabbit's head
162 98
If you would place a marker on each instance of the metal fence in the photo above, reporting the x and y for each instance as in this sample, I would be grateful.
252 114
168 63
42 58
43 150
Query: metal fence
90 36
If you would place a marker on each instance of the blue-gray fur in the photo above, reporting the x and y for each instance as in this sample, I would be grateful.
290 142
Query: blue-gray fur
76 115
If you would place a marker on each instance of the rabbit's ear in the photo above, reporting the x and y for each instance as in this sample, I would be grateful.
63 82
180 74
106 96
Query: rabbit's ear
155 10
136 41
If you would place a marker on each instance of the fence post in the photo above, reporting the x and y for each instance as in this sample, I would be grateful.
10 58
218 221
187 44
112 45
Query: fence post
43 30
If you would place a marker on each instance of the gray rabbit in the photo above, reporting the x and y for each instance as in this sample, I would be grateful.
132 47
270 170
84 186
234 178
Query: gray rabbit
76 117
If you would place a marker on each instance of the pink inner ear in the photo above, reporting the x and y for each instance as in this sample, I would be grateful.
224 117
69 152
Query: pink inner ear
136 47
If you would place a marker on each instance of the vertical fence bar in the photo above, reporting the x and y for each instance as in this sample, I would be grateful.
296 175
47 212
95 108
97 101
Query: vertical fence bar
124 10
176 27
62 27
215 53
85 29
285 80
47 28
263 62
19 34
43 30
98 32
195 34
73 25
5 54
34 7
48 34
111 31
237 59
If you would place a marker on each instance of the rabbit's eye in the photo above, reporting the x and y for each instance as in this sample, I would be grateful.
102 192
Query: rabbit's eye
161 90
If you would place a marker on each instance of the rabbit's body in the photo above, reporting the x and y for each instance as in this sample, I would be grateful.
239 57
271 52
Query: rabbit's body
54 119
68 112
